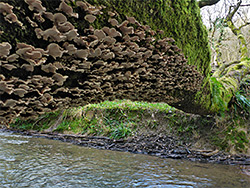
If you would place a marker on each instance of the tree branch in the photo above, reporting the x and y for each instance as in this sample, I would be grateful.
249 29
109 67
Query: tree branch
204 3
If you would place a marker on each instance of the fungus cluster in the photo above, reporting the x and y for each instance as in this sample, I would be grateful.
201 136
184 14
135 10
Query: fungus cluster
9 15
122 60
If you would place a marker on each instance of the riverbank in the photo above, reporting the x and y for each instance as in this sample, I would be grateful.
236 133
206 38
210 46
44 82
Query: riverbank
147 128
159 145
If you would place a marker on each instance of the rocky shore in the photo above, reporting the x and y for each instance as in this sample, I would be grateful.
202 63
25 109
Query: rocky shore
151 144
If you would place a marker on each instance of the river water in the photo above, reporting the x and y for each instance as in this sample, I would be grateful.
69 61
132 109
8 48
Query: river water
38 162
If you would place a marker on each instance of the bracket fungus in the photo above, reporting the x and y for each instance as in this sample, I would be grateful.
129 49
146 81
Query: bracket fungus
55 50
90 18
5 49
67 9
68 65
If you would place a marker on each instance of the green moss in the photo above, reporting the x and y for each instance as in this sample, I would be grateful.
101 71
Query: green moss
180 20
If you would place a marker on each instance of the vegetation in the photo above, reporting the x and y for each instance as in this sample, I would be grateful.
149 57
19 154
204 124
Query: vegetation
225 92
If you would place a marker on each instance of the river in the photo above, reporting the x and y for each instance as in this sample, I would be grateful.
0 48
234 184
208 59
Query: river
39 162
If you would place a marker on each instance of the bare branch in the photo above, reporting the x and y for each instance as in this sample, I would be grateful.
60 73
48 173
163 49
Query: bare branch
231 14
247 23
204 3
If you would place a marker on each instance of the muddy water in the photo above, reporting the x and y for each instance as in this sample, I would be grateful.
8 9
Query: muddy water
37 162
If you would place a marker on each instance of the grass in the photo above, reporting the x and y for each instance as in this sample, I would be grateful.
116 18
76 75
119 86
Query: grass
123 118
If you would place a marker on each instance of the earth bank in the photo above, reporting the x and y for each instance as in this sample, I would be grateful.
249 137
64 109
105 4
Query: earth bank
147 128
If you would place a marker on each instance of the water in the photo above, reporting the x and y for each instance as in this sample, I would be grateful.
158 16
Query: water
37 162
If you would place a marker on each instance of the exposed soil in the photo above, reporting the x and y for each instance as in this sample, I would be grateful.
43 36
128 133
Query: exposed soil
151 144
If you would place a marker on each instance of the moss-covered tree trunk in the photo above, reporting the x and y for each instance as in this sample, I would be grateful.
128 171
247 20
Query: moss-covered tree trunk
72 53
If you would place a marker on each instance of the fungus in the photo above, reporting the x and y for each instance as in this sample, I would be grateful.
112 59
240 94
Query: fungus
10 103
127 30
70 48
90 18
83 54
12 18
49 68
39 33
100 63
109 40
38 17
71 35
131 20
53 34
7 88
111 14
67 9
60 79
93 43
55 50
141 34
9 67
65 27
100 34
59 18
114 33
2 77
4 49
95 53
20 92
94 10
85 65
5 8
23 86
35 5
147 54
109 55
123 24
58 65
28 67
82 5
113 21
32 23
81 41
49 15
46 99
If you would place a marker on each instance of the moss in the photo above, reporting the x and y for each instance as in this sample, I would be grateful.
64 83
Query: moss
180 20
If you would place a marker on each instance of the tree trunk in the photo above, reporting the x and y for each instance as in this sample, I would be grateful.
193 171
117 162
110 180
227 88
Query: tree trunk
54 57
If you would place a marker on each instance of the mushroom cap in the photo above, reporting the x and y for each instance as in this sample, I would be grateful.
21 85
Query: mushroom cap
113 21
114 33
60 79
90 18
55 50
9 67
111 14
59 18
65 27
5 8
35 5
70 48
11 18
5 49
100 34
20 92
28 67
72 34
131 20
82 5
52 33
49 68
83 54
67 9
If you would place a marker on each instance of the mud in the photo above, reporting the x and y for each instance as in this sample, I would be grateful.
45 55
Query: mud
151 144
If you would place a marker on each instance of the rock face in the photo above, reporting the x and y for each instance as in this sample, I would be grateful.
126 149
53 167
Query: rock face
64 64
